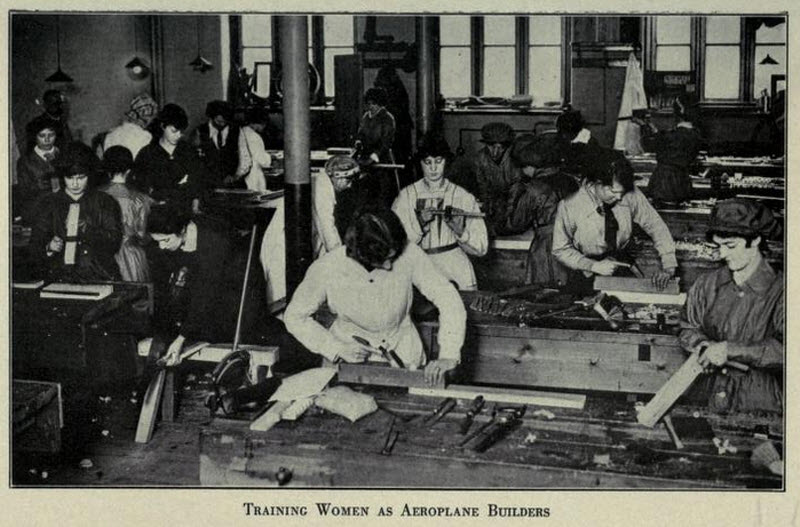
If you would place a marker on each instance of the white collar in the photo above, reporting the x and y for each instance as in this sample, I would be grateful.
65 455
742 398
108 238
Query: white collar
41 153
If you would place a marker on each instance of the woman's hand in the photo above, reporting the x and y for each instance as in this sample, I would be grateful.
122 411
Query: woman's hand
606 267
661 278
457 223
716 354
173 356
353 352
435 370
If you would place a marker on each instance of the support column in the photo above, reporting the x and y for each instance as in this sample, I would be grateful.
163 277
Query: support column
293 34
426 96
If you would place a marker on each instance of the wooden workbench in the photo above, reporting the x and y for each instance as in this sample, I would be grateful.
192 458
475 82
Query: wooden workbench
566 451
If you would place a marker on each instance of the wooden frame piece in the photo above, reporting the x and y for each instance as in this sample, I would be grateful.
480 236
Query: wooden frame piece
383 375
506 395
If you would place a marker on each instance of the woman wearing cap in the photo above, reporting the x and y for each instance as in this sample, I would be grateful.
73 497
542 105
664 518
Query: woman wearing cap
132 133
368 284
494 173
676 151
376 131
253 156
533 202
593 226
135 206
335 198
435 213
77 231
169 170
736 312
36 173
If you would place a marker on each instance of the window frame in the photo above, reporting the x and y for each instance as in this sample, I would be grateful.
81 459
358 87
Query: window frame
316 50
747 52
522 45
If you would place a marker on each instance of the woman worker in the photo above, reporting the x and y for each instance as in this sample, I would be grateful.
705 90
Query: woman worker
676 151
593 226
532 204
368 284
435 213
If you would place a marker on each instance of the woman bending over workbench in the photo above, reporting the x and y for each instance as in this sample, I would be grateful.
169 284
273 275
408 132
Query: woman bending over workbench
368 284
594 225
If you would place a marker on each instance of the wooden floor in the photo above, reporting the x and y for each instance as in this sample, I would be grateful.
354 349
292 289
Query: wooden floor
600 446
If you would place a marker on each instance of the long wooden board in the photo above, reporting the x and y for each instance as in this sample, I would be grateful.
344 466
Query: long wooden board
634 285
506 395
670 392
150 404
384 376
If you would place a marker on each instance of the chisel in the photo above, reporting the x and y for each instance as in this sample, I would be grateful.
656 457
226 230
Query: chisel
475 409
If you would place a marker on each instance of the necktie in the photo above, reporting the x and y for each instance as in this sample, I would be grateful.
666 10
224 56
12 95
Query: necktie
611 228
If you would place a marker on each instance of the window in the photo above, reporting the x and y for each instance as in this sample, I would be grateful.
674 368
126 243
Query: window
338 38
257 50
673 43
503 55
770 56
455 55
729 54
722 57
335 35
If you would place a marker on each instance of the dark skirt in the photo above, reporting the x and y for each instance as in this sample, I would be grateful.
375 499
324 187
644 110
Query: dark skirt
670 184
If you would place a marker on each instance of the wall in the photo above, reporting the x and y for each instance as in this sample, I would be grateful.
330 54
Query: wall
94 51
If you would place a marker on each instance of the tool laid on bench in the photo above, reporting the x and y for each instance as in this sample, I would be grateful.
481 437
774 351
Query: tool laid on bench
476 407
506 420
415 423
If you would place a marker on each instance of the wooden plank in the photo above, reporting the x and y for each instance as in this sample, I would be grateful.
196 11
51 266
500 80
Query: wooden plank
634 285
506 395
271 417
168 398
631 297
669 393
268 355
382 375
150 404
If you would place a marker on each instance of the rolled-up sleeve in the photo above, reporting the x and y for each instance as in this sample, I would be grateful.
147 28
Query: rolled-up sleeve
564 249
299 315
475 238
646 216
404 208
452 315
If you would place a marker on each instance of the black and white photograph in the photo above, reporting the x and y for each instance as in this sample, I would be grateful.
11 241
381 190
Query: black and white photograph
437 250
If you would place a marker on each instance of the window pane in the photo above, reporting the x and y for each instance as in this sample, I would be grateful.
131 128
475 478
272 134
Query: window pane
771 34
722 72
454 30
545 74
723 29
498 72
256 30
673 29
252 55
764 72
338 30
498 30
329 73
545 29
673 58
262 78
454 72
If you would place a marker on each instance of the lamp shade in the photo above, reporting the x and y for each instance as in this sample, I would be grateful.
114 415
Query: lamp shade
59 76
768 60
137 69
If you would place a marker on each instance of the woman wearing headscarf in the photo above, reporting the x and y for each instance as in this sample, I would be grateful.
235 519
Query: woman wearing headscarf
133 133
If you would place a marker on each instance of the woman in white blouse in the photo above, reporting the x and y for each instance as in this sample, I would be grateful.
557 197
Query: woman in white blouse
368 284
253 157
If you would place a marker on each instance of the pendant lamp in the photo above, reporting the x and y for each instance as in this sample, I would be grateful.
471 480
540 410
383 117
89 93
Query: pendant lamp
768 60
58 76
137 68
200 63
